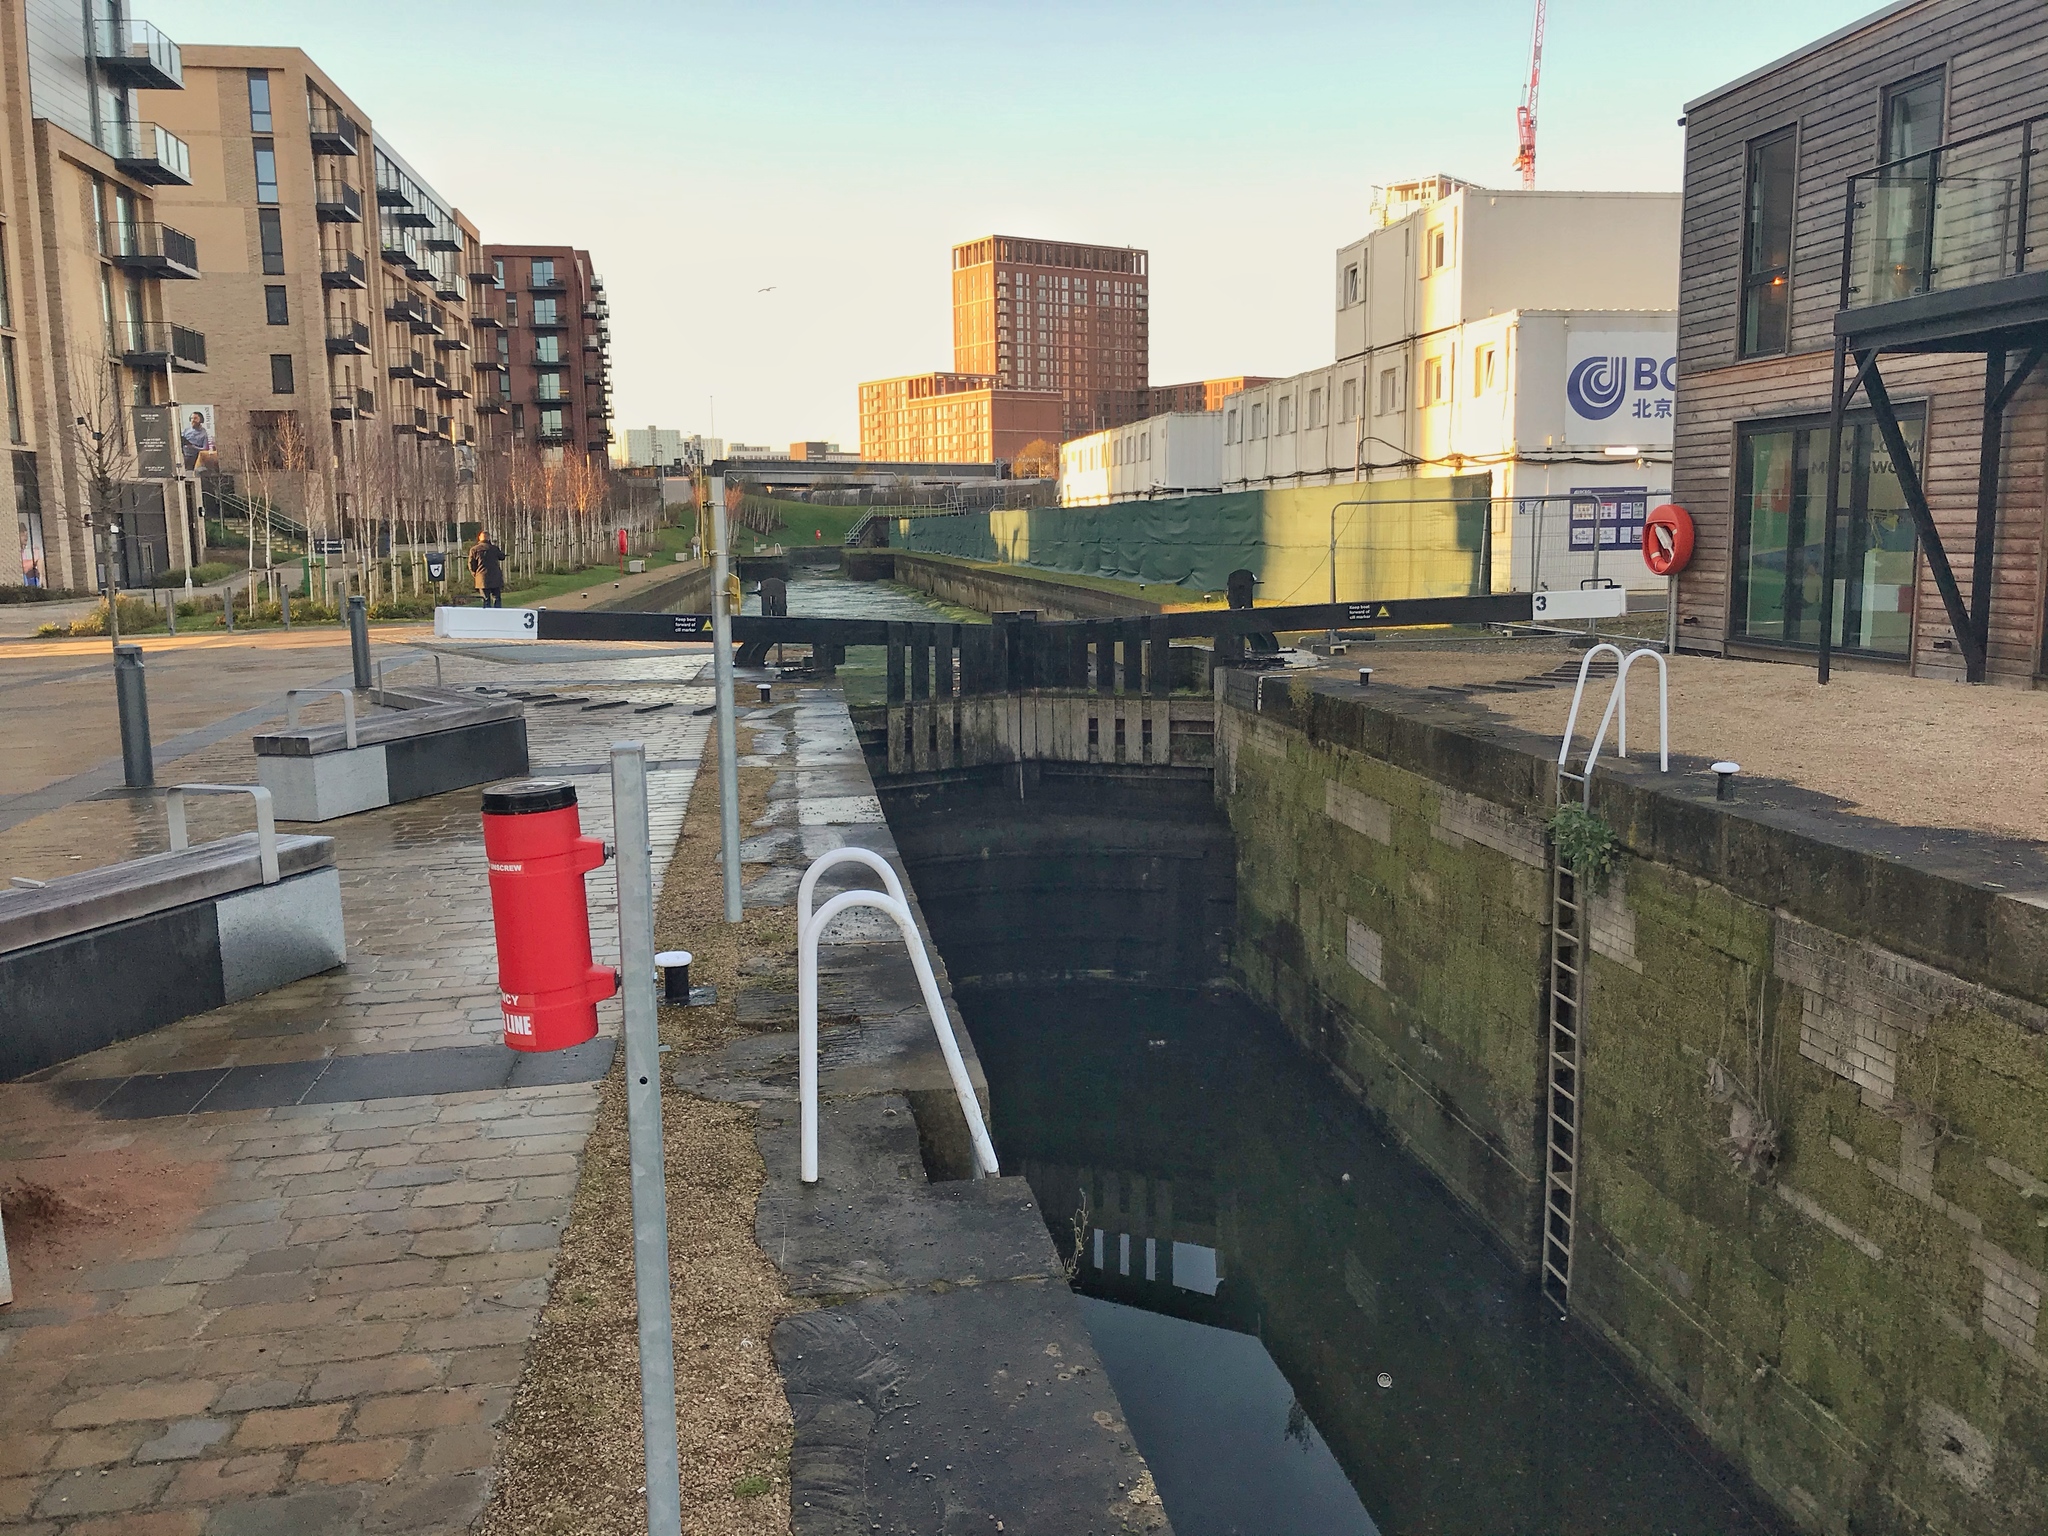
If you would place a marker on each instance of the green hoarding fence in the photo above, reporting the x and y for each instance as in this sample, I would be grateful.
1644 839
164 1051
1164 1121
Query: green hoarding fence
1411 538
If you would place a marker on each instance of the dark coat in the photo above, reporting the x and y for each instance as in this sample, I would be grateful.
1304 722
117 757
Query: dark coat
488 561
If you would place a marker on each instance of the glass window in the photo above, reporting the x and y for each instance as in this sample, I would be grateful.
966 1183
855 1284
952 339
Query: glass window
1780 505
543 274
1350 400
551 422
544 312
498 271
1351 284
277 309
1767 244
259 101
270 233
266 171
13 381
547 349
99 214
1912 117
28 521
281 382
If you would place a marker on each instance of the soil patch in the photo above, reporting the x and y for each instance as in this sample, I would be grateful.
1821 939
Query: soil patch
571 1456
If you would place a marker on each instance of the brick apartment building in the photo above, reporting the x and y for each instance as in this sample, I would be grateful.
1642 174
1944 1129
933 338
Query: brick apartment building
954 418
1201 395
1046 314
554 373
337 290
87 267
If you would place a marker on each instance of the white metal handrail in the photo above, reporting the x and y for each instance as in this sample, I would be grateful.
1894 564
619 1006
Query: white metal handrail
1616 712
266 821
293 696
410 662
807 1027
867 856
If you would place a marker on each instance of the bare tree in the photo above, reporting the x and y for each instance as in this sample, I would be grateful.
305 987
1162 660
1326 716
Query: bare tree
1038 459
106 458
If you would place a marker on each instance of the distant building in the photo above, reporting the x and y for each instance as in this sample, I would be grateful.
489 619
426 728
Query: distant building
1202 395
954 418
650 445
1046 314
555 377
1175 453
821 453
1530 335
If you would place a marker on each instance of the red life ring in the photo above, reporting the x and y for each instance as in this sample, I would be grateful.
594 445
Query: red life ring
1667 540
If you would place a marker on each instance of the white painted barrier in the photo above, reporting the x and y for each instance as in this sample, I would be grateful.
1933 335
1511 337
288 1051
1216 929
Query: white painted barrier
1578 603
486 623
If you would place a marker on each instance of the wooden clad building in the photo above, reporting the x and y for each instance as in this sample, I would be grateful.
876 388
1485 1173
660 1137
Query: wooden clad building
1871 215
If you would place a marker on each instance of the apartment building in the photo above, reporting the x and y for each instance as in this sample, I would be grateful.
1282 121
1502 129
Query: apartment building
955 418
650 446
1201 395
1052 315
339 299
1175 453
1862 285
87 267
1527 335
556 383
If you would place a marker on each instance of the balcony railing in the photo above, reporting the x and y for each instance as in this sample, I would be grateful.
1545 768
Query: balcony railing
454 387
593 344
554 364
412 366
547 282
333 130
348 336
487 319
159 344
148 153
407 310
486 364
450 286
154 249
133 53
344 269
1959 215
543 397
352 403
336 202
552 435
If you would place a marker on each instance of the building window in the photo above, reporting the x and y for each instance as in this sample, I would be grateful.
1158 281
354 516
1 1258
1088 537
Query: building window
1390 393
1912 117
15 434
28 521
547 349
266 171
1283 415
543 274
1437 248
1482 369
1315 408
1258 419
1351 284
498 271
1436 379
259 101
277 309
1230 434
551 422
270 234
1780 505
1767 244
544 312
281 373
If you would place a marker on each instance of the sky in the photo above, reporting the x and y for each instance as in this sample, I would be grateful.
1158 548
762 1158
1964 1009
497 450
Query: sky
772 189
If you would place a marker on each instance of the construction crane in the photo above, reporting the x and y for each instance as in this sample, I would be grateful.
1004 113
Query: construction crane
1525 115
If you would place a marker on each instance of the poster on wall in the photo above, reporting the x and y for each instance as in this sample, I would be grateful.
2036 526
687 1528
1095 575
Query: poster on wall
1620 388
155 429
1610 515
198 448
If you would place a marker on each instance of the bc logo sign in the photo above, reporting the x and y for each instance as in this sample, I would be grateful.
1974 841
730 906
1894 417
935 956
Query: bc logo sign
1620 383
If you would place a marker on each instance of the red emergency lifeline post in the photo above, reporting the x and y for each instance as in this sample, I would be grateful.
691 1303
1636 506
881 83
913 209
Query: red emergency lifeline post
1667 540
548 986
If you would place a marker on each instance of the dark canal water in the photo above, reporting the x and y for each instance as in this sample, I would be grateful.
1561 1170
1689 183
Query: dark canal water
1308 1337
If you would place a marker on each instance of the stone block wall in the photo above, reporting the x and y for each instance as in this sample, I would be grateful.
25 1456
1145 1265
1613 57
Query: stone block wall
1814 1145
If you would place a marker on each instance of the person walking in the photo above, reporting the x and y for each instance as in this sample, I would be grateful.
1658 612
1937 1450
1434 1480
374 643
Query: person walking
488 561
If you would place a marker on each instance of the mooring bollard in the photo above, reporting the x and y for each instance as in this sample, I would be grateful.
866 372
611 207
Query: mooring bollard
359 639
674 965
131 699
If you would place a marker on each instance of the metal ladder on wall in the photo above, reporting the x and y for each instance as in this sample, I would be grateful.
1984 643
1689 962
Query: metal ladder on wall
1566 1002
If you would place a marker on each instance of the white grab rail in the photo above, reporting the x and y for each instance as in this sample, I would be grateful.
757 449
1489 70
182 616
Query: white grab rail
292 696
824 861
1617 713
266 821
807 1027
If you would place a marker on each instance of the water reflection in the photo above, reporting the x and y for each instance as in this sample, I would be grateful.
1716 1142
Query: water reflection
1197 1169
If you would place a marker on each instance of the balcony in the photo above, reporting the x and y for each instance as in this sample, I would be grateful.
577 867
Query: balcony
354 404
454 341
541 320
343 269
152 155
454 387
595 412
134 54
391 194
334 131
154 250
434 322
412 421
1941 245
486 364
487 320
449 286
549 364
348 338
490 405
407 310
545 400
336 202
409 217
395 253
412 366
548 282
593 343
553 437
159 344
444 238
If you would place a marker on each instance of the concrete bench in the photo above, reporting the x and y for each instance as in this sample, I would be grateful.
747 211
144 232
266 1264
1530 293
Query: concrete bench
427 741
111 953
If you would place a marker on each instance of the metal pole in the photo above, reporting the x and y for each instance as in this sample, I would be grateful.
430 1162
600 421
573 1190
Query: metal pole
721 671
1831 501
643 1130
359 640
131 700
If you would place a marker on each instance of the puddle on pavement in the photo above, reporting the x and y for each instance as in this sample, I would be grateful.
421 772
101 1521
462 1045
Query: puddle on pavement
1306 1334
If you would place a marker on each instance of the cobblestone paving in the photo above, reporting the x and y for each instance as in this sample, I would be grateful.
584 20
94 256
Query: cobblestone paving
326 1338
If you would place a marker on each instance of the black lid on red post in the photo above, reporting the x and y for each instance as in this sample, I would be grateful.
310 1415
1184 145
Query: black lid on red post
529 797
